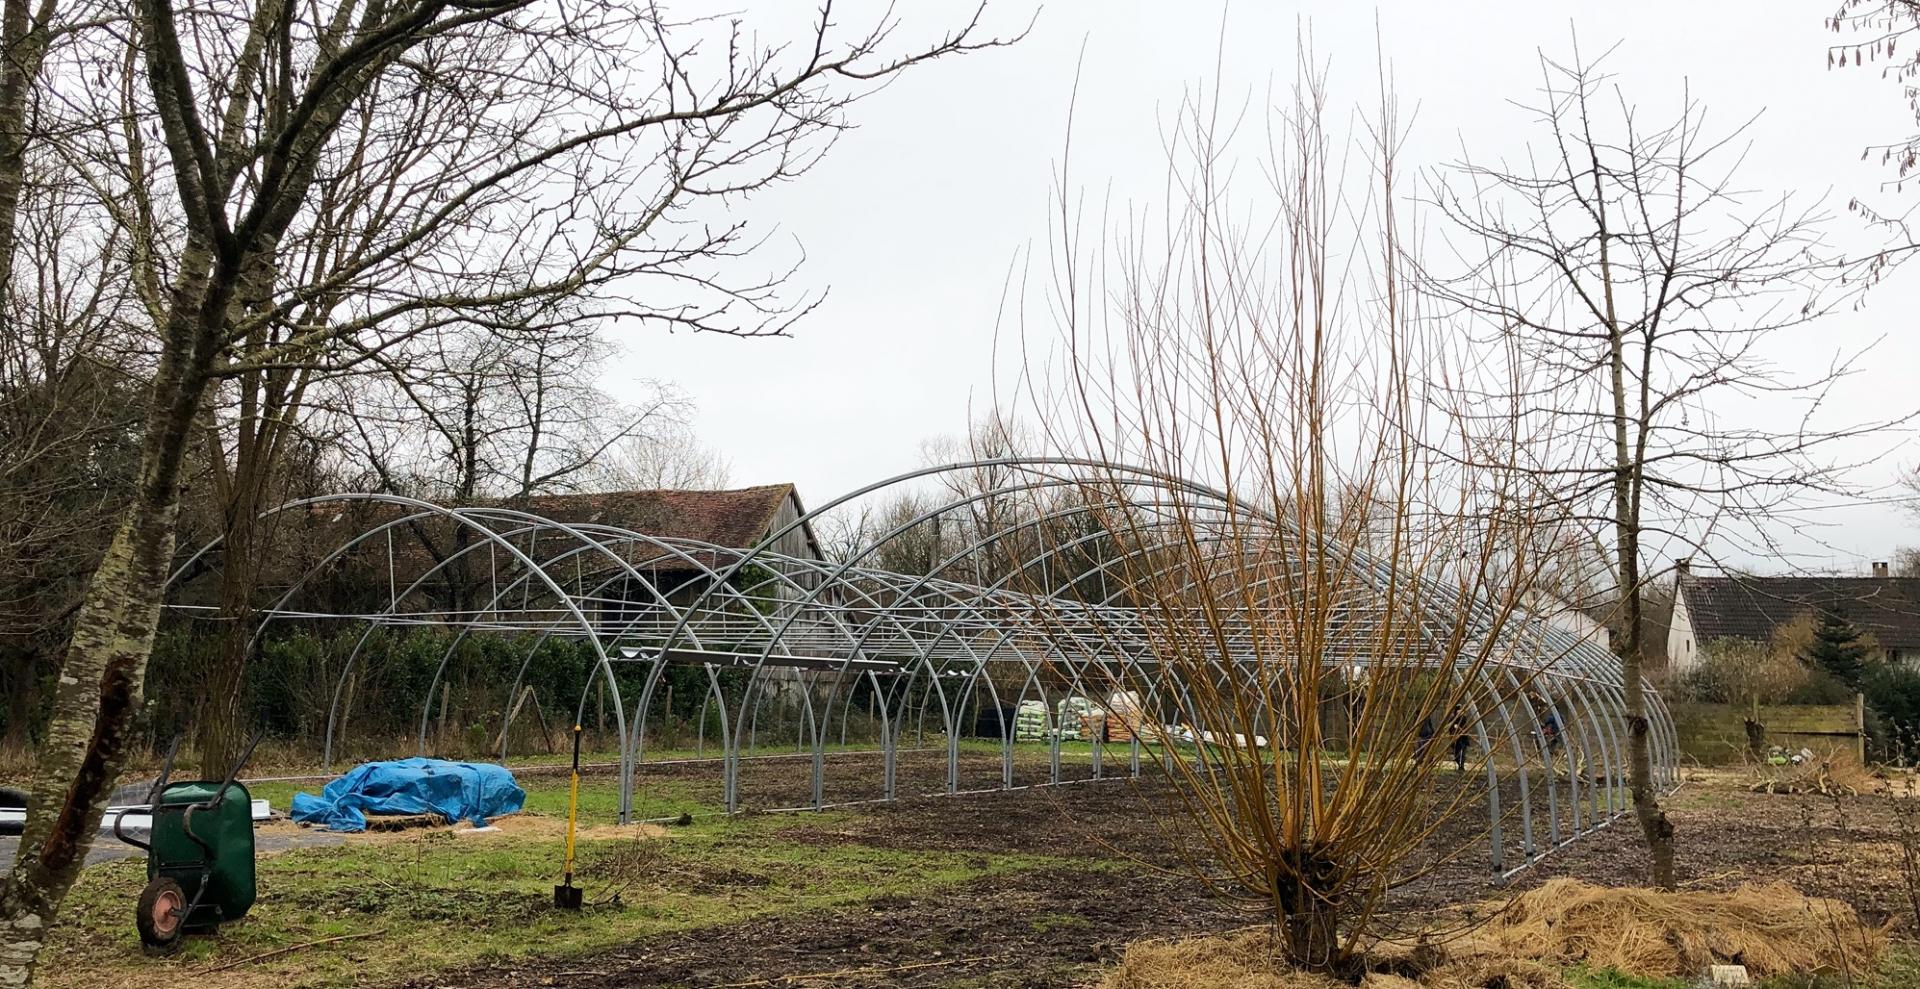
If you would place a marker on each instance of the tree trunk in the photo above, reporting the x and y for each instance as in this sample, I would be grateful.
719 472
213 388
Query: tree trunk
1629 466
1756 738
1654 825
1311 938
102 675
1308 909
97 699
23 47
223 683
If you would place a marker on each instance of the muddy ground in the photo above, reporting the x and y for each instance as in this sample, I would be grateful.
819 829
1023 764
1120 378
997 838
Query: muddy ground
1059 926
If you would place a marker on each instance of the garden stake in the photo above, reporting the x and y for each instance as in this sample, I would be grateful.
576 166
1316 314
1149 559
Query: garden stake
566 896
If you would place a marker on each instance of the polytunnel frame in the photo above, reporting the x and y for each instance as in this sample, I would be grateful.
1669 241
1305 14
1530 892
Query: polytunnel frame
1588 659
930 580
459 516
1585 698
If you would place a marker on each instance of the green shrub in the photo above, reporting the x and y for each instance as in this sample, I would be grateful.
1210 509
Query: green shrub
1893 694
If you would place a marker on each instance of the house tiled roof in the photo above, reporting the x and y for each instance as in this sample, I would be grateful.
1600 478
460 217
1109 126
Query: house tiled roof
1747 607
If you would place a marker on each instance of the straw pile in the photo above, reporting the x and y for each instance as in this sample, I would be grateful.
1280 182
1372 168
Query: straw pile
1771 929
1237 961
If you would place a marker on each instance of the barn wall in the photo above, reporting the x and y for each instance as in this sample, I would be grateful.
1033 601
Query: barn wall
794 543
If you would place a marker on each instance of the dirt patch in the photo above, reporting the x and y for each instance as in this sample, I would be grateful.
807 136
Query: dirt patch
548 826
1845 848
1112 819
1042 928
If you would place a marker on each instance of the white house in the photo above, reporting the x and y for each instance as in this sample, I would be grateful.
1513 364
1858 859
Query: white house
1748 607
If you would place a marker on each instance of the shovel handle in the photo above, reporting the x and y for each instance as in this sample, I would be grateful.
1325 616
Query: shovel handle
573 802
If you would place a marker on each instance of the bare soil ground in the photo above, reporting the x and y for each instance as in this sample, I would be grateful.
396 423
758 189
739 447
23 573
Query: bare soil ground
1058 926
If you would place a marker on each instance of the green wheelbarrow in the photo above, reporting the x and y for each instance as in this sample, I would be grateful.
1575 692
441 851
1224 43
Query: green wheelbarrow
199 857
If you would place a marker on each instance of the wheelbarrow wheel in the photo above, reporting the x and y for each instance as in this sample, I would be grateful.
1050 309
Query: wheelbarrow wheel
163 916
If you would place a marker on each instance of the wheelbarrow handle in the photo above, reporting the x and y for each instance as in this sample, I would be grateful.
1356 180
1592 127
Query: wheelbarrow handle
186 827
186 821
166 772
121 835
234 773
153 798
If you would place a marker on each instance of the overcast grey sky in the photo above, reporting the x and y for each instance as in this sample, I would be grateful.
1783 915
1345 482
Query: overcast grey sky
915 219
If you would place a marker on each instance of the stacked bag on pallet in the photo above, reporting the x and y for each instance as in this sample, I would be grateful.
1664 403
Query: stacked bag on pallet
1079 718
1123 716
1030 721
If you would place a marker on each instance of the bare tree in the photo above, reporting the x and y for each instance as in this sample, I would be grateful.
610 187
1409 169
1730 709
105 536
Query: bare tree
28 31
669 457
329 181
477 414
1624 292
1880 34
71 378
989 512
845 534
470 414
1268 345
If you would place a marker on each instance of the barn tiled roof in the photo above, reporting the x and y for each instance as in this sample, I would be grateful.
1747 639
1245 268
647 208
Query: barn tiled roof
1747 607
736 518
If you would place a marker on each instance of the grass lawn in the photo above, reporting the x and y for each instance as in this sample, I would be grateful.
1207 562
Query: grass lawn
419 902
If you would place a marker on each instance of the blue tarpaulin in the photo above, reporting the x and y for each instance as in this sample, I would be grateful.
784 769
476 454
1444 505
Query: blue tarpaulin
456 791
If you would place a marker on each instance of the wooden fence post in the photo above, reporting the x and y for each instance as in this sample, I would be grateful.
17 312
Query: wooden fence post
446 697
1860 725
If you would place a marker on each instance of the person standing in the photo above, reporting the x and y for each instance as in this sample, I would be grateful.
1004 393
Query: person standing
1461 740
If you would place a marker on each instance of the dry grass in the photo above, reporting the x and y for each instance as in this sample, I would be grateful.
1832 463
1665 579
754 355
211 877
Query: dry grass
1529 943
1833 775
508 826
545 826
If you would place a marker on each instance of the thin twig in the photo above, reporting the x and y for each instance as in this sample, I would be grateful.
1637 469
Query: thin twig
288 950
842 973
